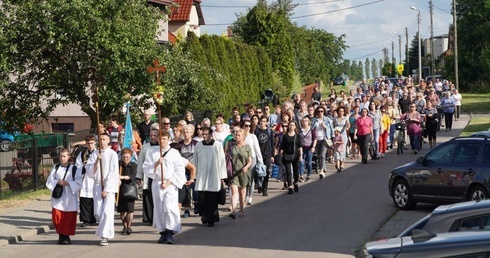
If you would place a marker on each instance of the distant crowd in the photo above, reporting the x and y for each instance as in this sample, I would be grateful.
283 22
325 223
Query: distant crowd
193 165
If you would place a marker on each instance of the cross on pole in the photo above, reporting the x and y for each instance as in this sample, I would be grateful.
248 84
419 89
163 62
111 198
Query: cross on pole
95 80
156 68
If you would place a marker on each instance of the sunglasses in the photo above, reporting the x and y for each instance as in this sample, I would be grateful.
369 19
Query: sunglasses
246 125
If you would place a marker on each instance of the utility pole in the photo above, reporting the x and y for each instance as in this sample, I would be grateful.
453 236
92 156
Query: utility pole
393 52
420 46
455 28
408 54
400 48
432 53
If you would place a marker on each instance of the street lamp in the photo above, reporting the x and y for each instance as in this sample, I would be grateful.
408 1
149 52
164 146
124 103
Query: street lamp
420 46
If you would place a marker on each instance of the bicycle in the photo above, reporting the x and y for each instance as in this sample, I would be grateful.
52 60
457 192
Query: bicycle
400 140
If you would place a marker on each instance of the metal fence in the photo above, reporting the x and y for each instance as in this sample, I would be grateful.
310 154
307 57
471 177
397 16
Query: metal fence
28 163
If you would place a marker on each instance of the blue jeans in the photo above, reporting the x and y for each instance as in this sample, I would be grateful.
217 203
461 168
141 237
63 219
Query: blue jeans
307 160
321 152
376 141
392 133
414 142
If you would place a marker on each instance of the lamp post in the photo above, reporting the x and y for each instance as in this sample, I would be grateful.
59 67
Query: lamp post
420 46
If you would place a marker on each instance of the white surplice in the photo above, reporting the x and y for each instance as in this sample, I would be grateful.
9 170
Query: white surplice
69 199
166 212
104 207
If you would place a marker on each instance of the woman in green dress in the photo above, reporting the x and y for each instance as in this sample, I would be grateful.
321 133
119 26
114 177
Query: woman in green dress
242 160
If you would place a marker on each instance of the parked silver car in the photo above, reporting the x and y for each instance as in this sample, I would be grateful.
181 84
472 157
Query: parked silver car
434 235
425 244
465 216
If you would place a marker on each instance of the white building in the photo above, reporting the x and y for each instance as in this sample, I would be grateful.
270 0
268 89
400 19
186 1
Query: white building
441 44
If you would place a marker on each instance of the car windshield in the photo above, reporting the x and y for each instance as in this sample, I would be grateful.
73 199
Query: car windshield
441 155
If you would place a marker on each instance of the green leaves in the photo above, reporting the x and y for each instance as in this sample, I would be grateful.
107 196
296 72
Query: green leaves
53 43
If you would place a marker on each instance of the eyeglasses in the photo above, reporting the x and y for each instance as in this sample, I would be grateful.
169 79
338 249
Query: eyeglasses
166 123
259 112
284 126
246 125
321 111
199 128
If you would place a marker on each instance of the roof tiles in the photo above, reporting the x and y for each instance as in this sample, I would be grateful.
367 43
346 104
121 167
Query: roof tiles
183 11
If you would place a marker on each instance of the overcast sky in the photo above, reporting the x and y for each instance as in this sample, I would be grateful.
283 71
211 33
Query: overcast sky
369 25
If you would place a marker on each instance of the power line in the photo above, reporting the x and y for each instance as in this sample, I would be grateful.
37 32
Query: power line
341 9
309 15
248 6
367 55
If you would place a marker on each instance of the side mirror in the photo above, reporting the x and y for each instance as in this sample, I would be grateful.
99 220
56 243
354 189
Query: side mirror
420 160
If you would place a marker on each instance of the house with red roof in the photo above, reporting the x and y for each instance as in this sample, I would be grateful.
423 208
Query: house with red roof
185 16
163 33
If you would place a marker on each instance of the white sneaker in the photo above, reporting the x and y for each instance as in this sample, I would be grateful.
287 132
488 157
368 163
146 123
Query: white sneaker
104 242
321 175
250 201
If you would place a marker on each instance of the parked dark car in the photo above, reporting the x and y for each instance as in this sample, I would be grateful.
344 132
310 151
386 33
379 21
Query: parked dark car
455 171
338 81
481 134
465 216
433 78
427 245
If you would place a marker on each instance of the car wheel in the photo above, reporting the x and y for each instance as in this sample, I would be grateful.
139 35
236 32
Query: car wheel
5 145
402 196
477 193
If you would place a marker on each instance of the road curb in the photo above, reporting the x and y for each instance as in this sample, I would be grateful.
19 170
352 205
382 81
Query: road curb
27 234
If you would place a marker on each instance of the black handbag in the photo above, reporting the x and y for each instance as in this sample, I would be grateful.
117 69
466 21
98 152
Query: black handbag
288 157
129 191
58 189
222 195
187 202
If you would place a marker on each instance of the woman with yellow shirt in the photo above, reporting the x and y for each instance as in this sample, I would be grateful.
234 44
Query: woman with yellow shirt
385 128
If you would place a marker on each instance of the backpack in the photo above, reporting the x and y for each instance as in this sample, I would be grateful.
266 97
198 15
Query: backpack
73 170
230 169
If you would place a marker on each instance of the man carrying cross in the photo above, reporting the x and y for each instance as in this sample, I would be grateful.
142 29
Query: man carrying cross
106 185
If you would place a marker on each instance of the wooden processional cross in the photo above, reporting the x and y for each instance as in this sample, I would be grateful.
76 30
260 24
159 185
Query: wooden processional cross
157 69
95 81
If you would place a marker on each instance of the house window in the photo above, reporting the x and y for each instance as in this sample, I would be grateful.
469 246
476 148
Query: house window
62 127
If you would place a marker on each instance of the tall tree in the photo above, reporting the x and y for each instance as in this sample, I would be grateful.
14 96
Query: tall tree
367 67
53 43
413 53
473 46
269 28
374 68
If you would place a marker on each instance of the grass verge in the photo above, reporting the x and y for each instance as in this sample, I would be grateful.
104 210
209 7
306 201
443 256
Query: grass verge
477 123
476 103
22 198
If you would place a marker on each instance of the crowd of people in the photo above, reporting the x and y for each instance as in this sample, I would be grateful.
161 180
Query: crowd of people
187 165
